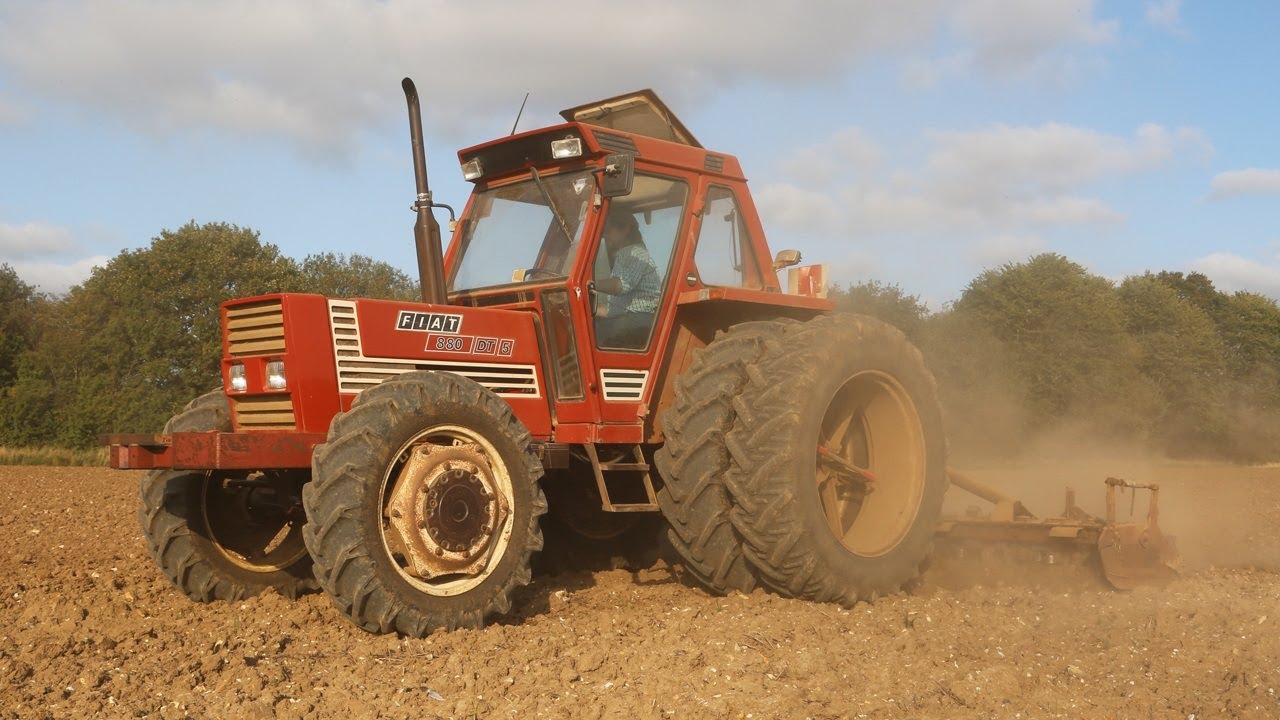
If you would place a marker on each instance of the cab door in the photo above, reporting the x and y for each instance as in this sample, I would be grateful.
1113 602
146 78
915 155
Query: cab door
628 304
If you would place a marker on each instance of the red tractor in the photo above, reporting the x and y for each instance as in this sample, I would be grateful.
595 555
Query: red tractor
606 330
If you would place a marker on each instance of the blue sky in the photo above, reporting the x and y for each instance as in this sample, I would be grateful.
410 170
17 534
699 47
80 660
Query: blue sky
916 142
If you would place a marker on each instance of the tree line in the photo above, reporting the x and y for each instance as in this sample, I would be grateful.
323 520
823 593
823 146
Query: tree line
1164 361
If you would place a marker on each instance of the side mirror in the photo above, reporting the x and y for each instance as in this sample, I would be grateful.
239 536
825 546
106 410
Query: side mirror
619 171
786 258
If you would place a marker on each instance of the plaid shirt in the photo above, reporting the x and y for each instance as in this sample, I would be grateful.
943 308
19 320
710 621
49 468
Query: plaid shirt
640 285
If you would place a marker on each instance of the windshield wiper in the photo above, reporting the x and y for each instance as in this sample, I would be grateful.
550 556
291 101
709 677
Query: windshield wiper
551 203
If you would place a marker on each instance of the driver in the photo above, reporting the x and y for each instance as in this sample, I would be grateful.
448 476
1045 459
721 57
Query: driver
632 288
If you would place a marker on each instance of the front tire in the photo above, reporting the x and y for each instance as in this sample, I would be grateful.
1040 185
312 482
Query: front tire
425 506
838 461
221 535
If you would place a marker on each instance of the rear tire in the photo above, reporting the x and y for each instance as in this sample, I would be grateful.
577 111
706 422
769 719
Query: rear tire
425 506
838 461
694 461
219 535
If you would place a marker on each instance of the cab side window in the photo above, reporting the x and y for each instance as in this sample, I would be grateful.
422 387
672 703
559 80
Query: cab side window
724 256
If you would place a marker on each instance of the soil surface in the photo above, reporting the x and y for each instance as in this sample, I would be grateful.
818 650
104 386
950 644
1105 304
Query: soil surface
89 628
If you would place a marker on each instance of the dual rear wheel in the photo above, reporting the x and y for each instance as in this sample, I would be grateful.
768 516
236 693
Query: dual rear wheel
808 457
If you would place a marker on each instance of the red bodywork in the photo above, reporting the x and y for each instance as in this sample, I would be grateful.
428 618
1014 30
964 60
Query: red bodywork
333 349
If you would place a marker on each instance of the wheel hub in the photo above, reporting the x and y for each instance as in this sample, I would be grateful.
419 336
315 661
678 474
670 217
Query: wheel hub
444 511
458 510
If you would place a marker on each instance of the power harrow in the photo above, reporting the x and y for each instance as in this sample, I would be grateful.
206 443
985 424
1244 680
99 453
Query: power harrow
1130 554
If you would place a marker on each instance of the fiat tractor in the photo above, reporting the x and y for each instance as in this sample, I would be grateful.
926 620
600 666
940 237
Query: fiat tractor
605 336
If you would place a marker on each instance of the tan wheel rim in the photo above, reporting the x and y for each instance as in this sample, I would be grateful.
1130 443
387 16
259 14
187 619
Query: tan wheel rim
495 478
870 464
256 523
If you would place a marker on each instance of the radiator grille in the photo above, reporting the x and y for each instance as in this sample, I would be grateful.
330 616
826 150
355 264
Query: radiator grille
358 372
255 329
269 412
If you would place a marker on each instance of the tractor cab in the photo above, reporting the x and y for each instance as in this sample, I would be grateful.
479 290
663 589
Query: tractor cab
611 228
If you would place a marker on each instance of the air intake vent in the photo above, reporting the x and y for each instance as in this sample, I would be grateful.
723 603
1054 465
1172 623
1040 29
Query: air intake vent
615 143
255 329
623 385
265 412
358 372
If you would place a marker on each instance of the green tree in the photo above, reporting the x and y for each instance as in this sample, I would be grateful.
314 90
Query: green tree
1250 328
985 400
1182 356
889 303
18 302
1065 332
356 276
1195 288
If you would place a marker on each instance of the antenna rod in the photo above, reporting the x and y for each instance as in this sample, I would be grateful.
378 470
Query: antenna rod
426 231
518 114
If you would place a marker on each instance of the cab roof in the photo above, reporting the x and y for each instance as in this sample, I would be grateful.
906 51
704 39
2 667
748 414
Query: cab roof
640 113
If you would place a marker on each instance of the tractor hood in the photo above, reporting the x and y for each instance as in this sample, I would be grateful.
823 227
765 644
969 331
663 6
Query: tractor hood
640 113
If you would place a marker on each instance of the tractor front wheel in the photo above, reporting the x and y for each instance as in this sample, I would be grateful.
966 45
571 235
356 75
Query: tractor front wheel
425 506
220 535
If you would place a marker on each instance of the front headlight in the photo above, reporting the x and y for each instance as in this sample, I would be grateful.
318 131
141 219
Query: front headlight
275 375
238 381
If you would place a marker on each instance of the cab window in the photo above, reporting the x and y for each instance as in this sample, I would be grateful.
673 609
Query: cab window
724 256
633 260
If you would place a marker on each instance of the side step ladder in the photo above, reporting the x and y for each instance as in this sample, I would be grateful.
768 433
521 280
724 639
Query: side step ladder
638 465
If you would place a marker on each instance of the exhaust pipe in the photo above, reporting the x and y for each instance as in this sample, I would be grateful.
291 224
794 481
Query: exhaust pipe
426 231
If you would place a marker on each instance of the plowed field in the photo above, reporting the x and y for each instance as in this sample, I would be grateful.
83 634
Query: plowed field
91 629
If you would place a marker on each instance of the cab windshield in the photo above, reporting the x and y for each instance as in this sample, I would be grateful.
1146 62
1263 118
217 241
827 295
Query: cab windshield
519 233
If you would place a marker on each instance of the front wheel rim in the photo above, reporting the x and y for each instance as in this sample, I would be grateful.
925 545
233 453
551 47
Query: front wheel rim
494 471
254 522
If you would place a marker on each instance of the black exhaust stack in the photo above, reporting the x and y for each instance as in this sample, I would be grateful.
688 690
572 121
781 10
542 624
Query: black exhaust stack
426 231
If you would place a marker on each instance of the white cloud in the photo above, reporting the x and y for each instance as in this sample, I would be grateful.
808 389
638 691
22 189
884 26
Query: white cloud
848 151
999 249
980 197
1231 272
319 74
1165 14
1249 181
1050 158
33 239
1011 36
57 277
1000 178
11 113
